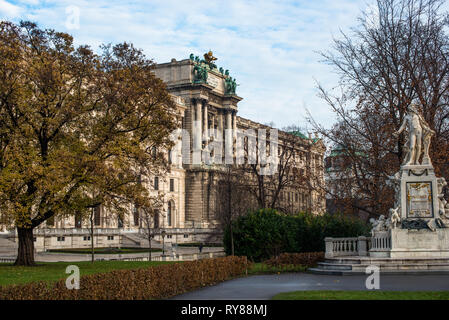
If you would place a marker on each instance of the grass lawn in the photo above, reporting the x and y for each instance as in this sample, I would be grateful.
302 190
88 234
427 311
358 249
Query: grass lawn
104 250
53 271
362 295
262 268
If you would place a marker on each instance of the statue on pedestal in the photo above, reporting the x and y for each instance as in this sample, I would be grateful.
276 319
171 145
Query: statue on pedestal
419 136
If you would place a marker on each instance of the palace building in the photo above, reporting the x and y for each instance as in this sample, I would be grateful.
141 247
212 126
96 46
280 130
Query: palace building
207 105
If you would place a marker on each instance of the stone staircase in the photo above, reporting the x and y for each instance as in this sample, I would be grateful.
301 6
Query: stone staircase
136 240
355 265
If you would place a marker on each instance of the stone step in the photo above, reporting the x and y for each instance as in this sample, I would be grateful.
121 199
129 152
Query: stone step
341 266
376 261
386 272
332 266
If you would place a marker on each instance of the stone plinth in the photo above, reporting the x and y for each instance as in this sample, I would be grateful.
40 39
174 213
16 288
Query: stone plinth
419 243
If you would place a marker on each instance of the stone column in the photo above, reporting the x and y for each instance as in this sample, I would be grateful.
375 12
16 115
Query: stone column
220 123
228 138
362 246
234 125
213 125
205 124
329 248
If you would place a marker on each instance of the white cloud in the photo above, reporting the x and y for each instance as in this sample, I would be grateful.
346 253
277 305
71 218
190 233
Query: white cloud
8 10
269 46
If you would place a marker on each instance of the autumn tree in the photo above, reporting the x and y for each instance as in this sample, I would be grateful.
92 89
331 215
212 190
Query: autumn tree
76 128
398 54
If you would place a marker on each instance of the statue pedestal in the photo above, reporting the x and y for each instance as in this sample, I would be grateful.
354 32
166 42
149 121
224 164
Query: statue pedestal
423 231
418 193
403 243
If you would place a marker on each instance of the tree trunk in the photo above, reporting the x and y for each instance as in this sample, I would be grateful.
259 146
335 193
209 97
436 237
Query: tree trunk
92 246
25 254
149 245
232 239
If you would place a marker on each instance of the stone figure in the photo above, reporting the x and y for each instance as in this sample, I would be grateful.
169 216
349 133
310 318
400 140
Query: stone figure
200 73
441 183
419 135
379 224
209 57
394 218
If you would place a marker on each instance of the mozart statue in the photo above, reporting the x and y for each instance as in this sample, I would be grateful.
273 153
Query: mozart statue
419 135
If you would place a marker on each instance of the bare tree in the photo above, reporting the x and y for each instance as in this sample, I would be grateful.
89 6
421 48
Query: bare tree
394 57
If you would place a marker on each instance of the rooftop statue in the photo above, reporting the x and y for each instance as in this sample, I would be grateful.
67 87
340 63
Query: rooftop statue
209 57
419 135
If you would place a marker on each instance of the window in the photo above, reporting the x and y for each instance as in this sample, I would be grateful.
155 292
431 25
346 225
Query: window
120 222
97 217
169 236
169 213
156 183
156 219
170 161
186 236
136 215
61 239
110 237
78 220
154 152
86 238
172 185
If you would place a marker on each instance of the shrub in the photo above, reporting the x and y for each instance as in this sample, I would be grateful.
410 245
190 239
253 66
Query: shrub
157 282
306 259
265 233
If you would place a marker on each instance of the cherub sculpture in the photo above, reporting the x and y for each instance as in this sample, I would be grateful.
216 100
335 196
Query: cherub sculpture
394 217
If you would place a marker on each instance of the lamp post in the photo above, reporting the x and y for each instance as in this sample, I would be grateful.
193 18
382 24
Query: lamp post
163 242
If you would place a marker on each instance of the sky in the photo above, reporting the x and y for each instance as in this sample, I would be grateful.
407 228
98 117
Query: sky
271 47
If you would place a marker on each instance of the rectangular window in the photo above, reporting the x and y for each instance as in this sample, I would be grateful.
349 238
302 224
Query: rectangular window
172 185
61 238
86 238
97 217
110 237
186 236
156 183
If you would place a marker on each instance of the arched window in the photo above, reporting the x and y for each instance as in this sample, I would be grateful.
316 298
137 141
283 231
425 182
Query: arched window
136 215
170 210
156 219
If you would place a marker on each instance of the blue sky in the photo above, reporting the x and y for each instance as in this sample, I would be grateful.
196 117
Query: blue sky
270 47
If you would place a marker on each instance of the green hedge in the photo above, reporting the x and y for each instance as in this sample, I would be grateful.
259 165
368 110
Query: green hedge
158 282
265 233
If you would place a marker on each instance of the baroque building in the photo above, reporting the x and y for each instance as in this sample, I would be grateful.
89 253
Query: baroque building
207 106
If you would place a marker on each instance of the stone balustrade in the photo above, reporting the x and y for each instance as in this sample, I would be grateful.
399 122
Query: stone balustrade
338 247
381 241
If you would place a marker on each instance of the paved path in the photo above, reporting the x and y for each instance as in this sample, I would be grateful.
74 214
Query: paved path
266 286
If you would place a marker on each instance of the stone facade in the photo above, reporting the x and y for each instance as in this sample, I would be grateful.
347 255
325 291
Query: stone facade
207 105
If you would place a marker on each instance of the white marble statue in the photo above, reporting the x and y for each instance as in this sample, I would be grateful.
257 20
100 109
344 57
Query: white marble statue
394 218
419 136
